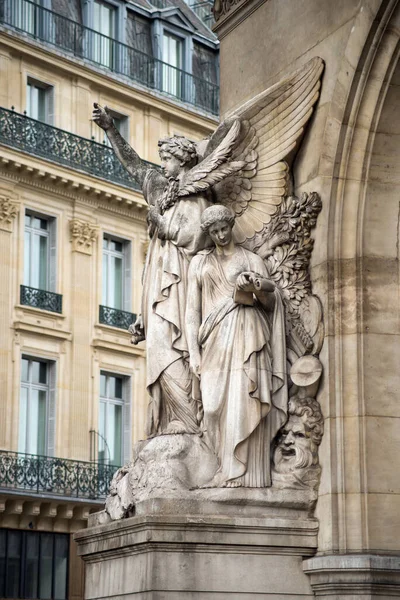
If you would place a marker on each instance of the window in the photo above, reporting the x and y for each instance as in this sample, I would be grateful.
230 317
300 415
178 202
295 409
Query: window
37 407
114 419
121 123
39 252
26 16
116 273
104 25
33 564
173 56
39 101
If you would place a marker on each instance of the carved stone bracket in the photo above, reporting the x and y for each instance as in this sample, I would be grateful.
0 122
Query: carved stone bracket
8 212
83 235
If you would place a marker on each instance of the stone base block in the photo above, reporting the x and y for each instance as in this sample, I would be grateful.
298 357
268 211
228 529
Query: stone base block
213 557
354 576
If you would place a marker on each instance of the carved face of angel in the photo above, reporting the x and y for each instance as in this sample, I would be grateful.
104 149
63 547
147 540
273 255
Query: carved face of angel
171 165
221 233
295 449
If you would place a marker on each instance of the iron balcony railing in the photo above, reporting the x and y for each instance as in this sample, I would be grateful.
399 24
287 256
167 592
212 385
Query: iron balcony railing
115 317
83 42
57 145
40 299
51 476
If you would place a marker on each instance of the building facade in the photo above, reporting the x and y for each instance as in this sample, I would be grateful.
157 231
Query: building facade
73 239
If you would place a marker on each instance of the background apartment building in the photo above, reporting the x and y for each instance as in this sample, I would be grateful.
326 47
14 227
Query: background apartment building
72 246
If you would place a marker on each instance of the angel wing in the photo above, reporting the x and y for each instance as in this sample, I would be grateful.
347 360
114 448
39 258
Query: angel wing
272 125
216 166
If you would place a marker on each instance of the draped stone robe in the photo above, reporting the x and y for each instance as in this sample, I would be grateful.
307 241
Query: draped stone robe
243 371
169 381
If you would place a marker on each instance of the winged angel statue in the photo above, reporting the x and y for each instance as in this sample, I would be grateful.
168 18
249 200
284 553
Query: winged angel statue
200 270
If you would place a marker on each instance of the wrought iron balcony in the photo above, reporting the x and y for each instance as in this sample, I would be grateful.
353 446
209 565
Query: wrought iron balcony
50 476
115 317
57 145
49 27
40 299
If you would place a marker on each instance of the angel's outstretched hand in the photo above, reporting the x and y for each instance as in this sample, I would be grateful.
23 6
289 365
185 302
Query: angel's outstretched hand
101 116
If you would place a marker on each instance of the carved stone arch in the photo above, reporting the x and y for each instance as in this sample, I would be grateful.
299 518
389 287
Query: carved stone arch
348 482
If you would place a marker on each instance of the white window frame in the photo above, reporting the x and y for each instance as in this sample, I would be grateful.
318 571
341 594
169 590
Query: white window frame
126 404
125 255
51 234
50 416
48 108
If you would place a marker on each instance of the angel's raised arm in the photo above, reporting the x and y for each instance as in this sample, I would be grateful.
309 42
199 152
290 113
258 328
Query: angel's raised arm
125 153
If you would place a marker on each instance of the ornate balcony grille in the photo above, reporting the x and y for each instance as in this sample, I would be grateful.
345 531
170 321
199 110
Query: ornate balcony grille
85 43
57 145
50 476
115 317
41 299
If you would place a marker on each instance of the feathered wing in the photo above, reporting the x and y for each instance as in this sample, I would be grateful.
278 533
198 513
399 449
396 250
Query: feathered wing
216 166
271 126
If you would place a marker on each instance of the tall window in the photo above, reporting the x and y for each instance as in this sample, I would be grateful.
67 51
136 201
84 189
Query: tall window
173 56
25 15
39 101
122 125
116 273
37 407
33 564
114 418
39 252
104 24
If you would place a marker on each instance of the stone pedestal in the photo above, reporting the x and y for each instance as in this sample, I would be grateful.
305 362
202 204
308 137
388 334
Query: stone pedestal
192 548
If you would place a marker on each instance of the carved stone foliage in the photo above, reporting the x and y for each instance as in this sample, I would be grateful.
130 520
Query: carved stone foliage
8 212
83 235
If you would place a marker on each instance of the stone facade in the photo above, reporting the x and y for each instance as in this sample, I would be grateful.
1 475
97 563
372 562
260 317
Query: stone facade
84 206
350 156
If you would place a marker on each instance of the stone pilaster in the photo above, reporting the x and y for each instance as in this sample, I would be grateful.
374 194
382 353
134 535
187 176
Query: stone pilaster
8 214
83 235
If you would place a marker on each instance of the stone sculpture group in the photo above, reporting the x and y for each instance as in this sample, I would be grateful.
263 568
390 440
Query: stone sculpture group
232 328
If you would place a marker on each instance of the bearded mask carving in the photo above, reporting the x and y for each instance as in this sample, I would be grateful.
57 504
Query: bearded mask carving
295 460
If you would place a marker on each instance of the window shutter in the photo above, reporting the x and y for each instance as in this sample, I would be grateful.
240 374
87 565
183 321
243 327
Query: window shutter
128 276
51 418
127 449
53 255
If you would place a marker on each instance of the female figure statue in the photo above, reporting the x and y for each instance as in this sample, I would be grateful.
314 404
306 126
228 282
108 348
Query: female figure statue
236 337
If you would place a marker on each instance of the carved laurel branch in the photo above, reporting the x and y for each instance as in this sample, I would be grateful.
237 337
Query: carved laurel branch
288 262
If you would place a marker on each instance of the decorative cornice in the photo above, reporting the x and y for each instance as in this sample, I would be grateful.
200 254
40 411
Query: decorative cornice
229 13
69 187
83 235
8 212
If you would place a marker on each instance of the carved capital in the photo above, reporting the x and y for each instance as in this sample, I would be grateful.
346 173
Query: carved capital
83 235
8 212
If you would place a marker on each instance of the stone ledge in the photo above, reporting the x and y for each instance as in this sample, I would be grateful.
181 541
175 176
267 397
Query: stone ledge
345 576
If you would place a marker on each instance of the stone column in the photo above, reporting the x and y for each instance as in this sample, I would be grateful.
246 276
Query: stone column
83 237
8 213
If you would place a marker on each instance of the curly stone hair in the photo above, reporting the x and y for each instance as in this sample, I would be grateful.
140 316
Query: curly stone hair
180 147
217 212
311 408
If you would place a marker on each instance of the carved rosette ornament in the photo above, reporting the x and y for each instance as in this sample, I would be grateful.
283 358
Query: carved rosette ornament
8 212
83 235
232 327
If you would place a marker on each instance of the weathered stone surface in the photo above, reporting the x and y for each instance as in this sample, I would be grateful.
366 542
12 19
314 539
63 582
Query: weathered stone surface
204 556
